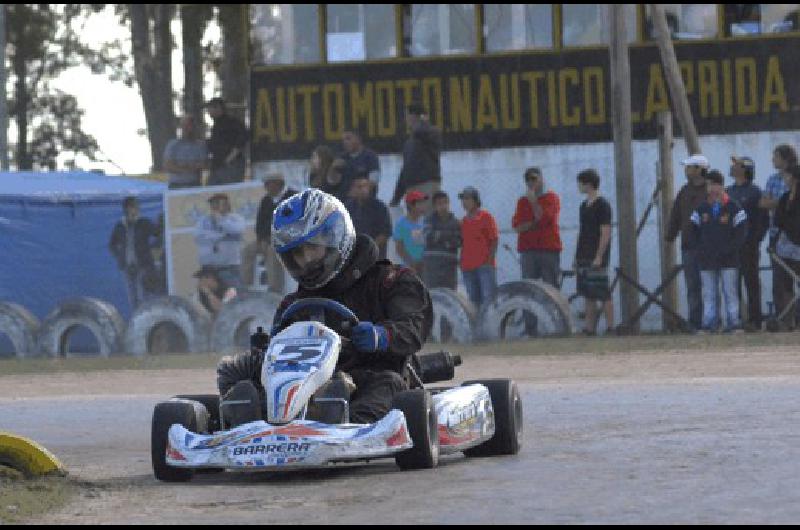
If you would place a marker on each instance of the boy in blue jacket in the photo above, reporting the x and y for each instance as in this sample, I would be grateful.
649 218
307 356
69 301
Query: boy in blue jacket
720 226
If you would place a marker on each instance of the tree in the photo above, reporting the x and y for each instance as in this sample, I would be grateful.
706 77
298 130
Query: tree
42 43
194 19
234 69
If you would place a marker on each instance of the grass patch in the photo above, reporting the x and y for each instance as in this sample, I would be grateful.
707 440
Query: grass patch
543 346
21 498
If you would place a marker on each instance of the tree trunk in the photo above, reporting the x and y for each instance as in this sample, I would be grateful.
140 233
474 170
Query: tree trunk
152 58
233 21
22 97
194 18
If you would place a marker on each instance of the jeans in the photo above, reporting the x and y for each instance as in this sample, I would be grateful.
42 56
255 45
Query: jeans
711 316
133 283
481 284
541 265
691 273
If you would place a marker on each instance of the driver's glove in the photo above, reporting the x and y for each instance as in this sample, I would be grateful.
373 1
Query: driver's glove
368 337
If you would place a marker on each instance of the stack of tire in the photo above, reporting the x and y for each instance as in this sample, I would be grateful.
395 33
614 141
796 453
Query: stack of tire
159 325
522 309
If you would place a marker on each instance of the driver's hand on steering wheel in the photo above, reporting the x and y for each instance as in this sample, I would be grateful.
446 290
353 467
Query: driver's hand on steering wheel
369 338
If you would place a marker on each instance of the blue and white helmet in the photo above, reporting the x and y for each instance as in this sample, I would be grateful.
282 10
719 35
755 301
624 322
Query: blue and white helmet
314 236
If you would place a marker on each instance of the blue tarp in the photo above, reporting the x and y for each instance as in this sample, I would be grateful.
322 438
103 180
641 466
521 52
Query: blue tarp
54 234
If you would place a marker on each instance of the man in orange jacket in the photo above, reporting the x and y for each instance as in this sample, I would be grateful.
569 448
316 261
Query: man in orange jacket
536 222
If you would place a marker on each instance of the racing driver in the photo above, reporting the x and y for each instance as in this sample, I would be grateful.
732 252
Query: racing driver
314 237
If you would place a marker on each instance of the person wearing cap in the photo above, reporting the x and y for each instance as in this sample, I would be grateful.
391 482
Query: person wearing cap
276 192
442 240
408 231
369 214
748 196
480 236
219 240
186 157
226 145
689 198
536 223
212 292
131 244
421 169
720 229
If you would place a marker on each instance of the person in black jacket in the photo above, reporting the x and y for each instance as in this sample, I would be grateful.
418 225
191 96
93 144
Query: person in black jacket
226 145
369 214
421 169
132 241
720 226
442 233
314 236
787 248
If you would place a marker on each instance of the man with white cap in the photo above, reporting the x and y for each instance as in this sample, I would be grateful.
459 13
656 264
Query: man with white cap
689 198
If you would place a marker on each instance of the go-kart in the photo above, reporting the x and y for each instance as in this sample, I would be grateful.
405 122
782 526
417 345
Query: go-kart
306 407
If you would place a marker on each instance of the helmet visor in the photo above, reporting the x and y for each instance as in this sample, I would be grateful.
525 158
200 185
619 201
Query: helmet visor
315 258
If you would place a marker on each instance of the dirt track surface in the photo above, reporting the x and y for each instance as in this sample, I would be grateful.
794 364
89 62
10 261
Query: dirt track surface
695 437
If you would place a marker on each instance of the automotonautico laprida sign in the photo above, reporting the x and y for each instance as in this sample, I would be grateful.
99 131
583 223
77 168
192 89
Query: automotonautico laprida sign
522 99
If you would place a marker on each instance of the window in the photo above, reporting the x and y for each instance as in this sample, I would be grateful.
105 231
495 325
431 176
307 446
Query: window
518 26
688 21
285 33
360 31
442 29
589 25
754 19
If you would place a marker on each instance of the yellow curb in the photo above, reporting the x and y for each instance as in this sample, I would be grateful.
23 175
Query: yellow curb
28 457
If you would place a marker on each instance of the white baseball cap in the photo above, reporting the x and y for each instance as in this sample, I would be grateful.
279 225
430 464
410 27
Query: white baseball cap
697 160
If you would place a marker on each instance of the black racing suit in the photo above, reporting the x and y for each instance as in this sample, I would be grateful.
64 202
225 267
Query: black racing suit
385 294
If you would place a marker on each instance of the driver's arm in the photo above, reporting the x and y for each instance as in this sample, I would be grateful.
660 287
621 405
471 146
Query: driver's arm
408 306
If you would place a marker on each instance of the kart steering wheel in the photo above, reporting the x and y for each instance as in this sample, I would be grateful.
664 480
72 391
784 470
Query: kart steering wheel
317 307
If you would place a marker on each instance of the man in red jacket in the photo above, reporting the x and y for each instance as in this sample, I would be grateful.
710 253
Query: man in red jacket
536 222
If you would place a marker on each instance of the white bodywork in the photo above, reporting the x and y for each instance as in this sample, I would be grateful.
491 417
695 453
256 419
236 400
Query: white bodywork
298 361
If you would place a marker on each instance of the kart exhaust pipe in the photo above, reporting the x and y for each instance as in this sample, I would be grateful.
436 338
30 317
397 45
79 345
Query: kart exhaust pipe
438 367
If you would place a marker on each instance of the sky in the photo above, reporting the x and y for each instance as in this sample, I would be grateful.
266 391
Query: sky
113 112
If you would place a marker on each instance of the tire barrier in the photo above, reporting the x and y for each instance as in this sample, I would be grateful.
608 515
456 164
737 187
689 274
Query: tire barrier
524 309
28 457
21 327
453 317
239 318
100 318
168 324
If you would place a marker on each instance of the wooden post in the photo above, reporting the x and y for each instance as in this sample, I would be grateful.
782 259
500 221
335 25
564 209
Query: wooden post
623 161
677 90
665 177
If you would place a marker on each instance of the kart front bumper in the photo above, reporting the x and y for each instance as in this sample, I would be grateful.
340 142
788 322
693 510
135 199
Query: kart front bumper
299 444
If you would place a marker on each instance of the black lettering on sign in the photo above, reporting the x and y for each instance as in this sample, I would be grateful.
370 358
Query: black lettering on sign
522 99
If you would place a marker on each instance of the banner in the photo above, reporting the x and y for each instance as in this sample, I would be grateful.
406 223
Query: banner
533 98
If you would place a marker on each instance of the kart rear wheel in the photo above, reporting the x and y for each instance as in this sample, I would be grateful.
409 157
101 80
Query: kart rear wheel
507 406
164 416
422 424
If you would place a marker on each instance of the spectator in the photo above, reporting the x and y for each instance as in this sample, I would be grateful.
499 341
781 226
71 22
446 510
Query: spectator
132 241
370 215
720 227
212 292
186 157
536 222
784 157
321 160
787 247
689 198
226 145
359 161
219 240
408 232
421 169
275 186
442 233
593 251
335 183
748 196
480 237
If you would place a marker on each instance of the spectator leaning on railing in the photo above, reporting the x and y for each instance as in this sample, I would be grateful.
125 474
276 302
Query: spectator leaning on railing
536 222
720 226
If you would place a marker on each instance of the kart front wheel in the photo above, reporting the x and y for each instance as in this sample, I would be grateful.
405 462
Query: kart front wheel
507 406
422 424
164 416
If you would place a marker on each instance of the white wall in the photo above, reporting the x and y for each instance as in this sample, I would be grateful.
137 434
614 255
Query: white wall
497 173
